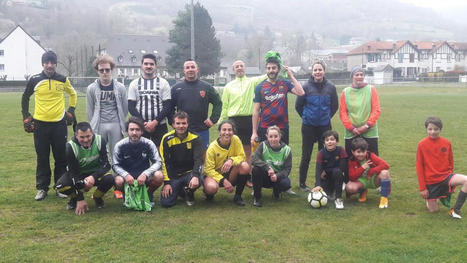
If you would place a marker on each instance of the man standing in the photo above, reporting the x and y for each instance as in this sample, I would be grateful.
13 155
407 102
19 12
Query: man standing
237 103
182 158
270 102
106 103
193 96
137 158
149 100
49 121
88 165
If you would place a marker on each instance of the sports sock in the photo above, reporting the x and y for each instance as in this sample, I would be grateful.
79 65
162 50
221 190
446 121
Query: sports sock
460 201
98 193
446 201
385 187
241 181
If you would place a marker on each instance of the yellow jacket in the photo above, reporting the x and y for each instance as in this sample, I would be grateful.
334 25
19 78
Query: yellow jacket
216 157
49 97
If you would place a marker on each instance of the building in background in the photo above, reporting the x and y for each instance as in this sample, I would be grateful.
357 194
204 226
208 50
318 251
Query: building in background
20 55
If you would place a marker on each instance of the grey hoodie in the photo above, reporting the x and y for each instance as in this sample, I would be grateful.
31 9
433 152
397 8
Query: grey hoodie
93 107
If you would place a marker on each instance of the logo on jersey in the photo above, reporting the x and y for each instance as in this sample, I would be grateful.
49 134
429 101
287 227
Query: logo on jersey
443 149
202 93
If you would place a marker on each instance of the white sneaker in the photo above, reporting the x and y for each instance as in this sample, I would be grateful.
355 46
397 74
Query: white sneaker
339 203
291 192
41 195
455 215
60 194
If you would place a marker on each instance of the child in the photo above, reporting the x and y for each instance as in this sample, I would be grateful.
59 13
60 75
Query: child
367 170
330 163
435 164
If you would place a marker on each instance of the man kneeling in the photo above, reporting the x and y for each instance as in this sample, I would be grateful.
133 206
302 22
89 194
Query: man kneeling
182 158
88 165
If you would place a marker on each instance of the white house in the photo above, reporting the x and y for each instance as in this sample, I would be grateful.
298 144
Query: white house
20 55
408 58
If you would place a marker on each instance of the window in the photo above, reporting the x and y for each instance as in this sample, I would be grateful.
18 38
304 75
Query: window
120 59
412 57
2 67
400 58
133 59
448 57
2 53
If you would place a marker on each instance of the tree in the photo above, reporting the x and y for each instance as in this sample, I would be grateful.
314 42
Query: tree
207 46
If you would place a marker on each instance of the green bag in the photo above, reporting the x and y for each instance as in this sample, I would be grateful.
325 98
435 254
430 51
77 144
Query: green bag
136 197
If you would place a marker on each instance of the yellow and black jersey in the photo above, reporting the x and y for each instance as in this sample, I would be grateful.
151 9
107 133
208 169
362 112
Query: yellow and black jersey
180 157
49 97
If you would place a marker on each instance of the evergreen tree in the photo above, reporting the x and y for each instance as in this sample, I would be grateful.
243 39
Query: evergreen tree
207 46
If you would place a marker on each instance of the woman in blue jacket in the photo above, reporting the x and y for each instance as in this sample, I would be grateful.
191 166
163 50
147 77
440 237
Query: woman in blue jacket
316 109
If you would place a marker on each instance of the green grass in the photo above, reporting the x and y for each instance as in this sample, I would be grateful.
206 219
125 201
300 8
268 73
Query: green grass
281 231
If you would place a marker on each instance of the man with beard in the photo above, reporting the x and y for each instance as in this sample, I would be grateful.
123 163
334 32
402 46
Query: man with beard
49 121
270 101
149 100
137 158
88 165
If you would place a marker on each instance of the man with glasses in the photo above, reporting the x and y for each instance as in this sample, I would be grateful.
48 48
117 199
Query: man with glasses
149 100
107 104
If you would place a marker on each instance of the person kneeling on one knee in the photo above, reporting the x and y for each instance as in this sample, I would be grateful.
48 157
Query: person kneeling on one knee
88 164
367 170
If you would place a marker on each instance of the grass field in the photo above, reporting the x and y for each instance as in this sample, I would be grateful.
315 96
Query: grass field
282 231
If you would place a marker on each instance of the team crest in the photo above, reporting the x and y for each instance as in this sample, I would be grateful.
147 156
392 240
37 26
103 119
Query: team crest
443 149
202 93
188 145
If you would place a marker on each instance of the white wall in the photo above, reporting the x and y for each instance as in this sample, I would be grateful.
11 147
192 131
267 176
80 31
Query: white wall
22 55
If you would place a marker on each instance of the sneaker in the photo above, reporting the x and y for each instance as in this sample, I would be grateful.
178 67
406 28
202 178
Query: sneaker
118 194
99 201
71 205
41 195
238 200
339 203
383 202
362 197
290 192
304 188
57 193
446 201
454 214
189 196
257 203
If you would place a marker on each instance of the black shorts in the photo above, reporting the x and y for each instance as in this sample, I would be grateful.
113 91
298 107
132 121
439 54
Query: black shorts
244 127
441 189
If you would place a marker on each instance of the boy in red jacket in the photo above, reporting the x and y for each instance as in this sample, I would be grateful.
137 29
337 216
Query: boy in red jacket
435 164
367 170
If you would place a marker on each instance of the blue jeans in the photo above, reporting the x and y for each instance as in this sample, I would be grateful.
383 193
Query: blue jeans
204 135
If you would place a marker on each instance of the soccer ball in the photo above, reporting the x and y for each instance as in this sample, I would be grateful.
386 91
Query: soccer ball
317 199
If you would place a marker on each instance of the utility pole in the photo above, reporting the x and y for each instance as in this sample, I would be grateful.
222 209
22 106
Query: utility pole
192 31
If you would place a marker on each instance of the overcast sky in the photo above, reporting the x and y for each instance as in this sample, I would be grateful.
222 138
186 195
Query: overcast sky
438 4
